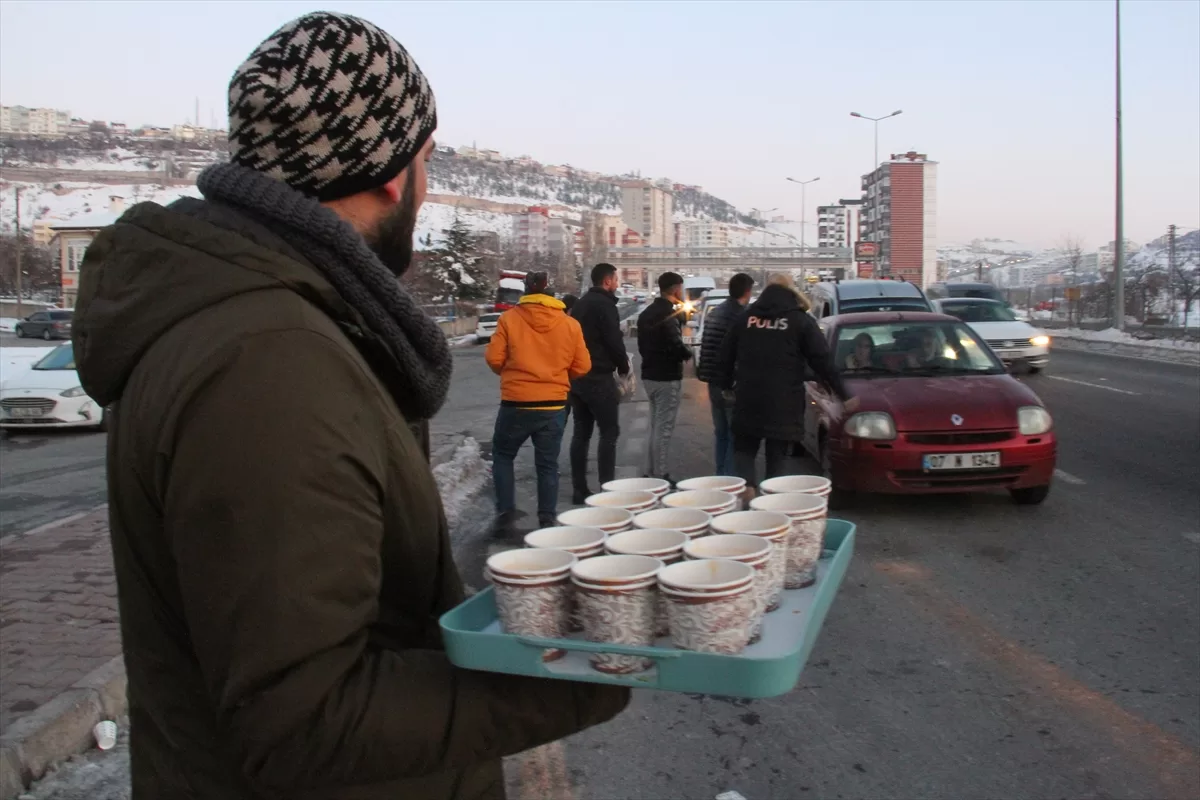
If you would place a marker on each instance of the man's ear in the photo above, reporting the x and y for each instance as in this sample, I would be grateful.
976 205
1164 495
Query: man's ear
394 188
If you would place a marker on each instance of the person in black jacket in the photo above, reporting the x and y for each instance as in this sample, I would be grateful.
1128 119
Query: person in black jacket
716 325
594 397
763 360
663 352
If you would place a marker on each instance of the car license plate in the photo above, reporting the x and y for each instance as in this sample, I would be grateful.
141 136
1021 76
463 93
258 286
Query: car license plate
932 463
1008 354
25 412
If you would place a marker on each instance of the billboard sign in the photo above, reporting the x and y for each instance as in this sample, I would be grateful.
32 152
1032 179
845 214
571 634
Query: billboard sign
866 251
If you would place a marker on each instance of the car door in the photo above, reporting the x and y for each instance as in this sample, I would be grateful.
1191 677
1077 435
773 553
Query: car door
815 401
36 323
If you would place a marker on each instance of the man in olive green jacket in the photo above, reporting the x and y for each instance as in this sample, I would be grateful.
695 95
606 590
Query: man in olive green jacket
281 552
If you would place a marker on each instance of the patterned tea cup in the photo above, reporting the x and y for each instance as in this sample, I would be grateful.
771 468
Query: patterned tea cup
710 604
617 595
747 549
710 500
805 484
636 502
691 521
609 520
806 538
720 483
656 486
533 593
775 528
665 545
583 542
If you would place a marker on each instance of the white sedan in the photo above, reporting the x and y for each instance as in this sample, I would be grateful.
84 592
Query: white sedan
1016 342
48 395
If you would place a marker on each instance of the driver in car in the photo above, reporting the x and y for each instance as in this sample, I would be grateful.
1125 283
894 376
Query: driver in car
928 351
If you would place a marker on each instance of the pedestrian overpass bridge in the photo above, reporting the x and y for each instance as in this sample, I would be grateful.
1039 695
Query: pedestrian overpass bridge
725 261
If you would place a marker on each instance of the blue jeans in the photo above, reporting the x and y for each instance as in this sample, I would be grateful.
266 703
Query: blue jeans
722 416
513 427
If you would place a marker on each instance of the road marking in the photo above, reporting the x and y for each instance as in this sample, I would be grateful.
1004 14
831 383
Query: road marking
1093 385
1067 477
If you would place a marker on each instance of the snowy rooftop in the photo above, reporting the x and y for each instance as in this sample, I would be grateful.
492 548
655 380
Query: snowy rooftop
87 221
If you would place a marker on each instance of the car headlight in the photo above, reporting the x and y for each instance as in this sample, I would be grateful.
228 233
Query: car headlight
1040 341
1033 420
688 307
871 425
74 392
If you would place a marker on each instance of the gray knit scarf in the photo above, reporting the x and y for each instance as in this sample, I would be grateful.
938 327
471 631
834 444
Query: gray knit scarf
415 341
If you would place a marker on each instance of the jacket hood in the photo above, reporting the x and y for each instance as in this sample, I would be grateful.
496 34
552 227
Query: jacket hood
541 312
775 301
157 266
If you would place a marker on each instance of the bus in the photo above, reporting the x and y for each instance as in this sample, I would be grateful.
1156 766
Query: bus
509 289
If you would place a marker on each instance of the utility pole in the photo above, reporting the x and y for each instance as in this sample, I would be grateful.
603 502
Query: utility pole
1119 255
979 270
877 181
17 195
1171 273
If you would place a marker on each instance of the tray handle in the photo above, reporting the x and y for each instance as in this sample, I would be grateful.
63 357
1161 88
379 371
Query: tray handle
599 647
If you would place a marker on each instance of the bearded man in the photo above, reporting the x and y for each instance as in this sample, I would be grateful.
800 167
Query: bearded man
281 552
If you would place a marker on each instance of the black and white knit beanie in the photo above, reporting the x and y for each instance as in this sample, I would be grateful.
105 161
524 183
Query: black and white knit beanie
331 105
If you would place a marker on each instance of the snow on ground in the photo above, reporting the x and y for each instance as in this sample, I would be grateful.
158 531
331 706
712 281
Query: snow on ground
464 341
94 775
116 159
1122 337
461 478
40 201
8 323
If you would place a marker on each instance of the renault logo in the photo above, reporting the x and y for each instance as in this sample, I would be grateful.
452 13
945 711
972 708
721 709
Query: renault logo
956 419
1008 344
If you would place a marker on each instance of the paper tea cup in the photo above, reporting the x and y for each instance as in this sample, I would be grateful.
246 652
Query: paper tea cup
636 502
710 604
806 484
617 598
665 545
747 549
583 542
806 538
775 528
656 486
533 593
691 521
609 520
105 732
720 483
710 500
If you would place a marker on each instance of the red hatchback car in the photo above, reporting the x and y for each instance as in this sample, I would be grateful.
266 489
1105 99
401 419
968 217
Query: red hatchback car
937 412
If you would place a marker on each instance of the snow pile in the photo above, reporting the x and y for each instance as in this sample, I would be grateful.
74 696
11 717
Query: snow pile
1115 336
94 775
464 341
461 478
8 323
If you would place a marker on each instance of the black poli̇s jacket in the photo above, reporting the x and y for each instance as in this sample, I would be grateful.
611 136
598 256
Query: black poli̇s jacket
763 358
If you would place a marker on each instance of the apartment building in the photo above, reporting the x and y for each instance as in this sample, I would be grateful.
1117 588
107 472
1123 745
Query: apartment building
702 233
899 212
649 210
70 241
42 122
536 231
833 226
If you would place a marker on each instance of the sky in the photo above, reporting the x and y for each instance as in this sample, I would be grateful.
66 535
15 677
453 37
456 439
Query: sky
1013 99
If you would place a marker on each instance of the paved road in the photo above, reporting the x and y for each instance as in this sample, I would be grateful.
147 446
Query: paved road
976 650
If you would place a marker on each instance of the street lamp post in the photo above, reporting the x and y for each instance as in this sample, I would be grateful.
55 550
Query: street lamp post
803 207
874 166
1119 255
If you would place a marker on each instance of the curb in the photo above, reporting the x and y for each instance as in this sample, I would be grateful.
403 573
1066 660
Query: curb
12 537
1145 352
60 728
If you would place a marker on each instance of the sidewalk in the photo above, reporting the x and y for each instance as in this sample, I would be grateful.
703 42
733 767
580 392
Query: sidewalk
59 643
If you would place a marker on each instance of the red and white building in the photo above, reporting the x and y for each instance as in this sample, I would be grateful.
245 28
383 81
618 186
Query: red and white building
899 211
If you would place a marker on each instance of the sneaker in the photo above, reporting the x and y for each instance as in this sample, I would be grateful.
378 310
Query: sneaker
578 498
547 522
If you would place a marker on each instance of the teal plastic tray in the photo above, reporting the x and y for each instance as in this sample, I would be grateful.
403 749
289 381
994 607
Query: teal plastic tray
770 667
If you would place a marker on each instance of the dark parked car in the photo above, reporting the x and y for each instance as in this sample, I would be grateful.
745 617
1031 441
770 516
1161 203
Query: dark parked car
52 324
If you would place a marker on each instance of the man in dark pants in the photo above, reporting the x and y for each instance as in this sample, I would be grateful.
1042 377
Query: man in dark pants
594 396
765 360
663 352
716 325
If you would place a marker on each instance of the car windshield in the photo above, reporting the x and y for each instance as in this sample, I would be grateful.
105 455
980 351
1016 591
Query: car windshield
509 296
992 311
61 357
912 348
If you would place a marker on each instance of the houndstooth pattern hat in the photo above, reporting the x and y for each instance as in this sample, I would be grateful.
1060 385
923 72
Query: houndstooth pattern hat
331 105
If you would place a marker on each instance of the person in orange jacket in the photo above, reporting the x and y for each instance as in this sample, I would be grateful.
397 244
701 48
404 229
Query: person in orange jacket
536 350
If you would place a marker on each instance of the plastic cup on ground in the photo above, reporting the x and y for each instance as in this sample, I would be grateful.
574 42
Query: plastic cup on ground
105 732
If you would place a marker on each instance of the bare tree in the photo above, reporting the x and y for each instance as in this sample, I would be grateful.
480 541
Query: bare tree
1073 258
1187 288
